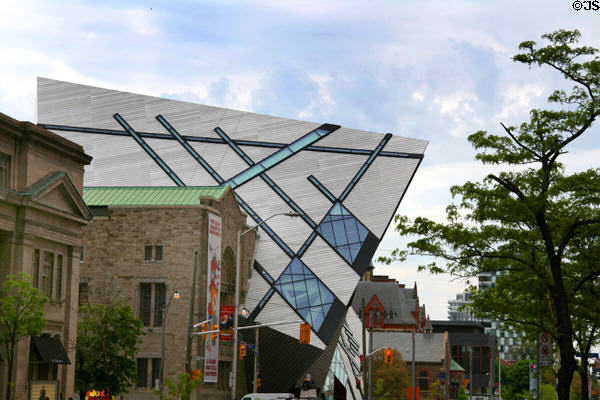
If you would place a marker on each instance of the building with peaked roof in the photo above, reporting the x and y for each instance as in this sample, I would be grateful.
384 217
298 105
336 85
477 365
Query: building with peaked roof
432 356
41 217
392 305
345 184
140 247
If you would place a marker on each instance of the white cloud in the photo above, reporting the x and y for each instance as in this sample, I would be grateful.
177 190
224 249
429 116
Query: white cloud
518 100
418 97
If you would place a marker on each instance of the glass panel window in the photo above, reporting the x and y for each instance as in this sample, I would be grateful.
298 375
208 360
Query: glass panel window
47 273
158 252
36 268
155 371
4 170
423 381
159 302
145 303
343 232
148 253
142 372
59 277
305 290
83 293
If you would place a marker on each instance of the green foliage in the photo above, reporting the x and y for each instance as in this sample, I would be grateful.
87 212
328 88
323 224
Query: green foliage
180 390
21 315
515 379
547 391
532 223
436 392
462 394
107 339
391 381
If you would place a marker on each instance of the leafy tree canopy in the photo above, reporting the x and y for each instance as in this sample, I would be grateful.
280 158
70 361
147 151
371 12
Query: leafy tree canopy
390 381
535 225
21 315
107 340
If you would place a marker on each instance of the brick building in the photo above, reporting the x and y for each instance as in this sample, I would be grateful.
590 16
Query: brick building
392 305
432 357
140 248
41 216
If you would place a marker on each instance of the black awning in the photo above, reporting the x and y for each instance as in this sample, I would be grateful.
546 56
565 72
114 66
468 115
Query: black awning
51 350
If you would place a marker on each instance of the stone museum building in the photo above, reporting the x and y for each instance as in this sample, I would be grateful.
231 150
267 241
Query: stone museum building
41 218
141 248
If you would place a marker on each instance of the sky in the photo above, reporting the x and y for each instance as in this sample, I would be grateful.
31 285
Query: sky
434 70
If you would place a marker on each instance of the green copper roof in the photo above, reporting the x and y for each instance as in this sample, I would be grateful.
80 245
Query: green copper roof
454 366
149 195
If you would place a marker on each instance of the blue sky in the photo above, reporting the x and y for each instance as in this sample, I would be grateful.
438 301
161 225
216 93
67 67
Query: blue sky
436 70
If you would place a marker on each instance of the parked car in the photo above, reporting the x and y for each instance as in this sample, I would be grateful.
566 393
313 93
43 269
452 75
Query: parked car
268 396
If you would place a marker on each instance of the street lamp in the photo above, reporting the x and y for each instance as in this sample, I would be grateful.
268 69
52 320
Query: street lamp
237 298
165 307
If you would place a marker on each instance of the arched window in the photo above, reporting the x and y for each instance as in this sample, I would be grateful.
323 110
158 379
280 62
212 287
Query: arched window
228 267
423 380
153 251
227 277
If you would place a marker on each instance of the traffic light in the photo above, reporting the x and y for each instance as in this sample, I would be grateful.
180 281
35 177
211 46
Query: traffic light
196 374
358 383
304 333
388 356
242 351
258 382
215 327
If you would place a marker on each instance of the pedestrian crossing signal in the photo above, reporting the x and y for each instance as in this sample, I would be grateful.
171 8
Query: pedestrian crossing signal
304 334
388 356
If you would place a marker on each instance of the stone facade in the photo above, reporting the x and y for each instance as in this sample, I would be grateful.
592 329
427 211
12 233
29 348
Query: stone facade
41 216
116 265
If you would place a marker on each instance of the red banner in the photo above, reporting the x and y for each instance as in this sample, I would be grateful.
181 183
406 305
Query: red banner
226 322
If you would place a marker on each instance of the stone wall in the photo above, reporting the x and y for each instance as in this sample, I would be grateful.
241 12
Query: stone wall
114 268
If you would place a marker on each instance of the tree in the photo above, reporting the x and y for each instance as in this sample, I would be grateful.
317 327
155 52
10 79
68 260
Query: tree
21 315
390 380
528 223
436 392
515 379
180 390
107 340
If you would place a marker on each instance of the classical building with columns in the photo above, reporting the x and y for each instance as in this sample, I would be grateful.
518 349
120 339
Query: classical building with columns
41 218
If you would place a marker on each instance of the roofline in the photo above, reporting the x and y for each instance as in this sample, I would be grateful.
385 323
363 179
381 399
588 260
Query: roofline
26 130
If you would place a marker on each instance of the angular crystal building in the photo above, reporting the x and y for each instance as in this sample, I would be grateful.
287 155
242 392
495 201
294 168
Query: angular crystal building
345 183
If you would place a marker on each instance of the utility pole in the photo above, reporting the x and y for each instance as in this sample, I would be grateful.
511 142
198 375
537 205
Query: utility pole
188 350
255 387
413 367
370 357
363 366
471 372
500 376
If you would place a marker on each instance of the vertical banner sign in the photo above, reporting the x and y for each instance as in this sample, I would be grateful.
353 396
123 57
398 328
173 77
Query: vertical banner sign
213 293
226 323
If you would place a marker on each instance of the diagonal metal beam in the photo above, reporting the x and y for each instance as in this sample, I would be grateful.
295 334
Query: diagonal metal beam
148 150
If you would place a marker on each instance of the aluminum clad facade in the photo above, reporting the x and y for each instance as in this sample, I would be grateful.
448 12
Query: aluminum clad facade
345 184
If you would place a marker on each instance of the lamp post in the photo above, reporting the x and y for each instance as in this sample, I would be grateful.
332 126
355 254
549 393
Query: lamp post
165 308
237 298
